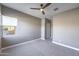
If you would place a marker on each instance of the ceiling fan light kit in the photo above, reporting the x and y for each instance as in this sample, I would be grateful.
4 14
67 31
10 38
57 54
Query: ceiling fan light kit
42 8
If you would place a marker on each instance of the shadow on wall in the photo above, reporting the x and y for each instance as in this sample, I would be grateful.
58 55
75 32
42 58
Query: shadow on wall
5 42
28 27
66 28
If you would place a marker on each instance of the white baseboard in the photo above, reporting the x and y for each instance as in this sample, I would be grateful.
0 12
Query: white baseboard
3 53
19 44
61 44
42 38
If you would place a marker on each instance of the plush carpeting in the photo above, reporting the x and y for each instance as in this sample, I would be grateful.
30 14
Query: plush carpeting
40 48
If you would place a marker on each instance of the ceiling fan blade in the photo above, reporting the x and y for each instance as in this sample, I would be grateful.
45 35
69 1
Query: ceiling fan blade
35 8
55 9
43 12
47 5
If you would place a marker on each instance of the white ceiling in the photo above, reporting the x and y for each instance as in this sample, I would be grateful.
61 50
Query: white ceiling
25 8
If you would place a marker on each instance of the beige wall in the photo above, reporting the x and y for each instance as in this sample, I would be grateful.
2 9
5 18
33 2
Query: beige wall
66 28
28 27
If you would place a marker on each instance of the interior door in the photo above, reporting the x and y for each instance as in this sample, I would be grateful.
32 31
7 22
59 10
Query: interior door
48 29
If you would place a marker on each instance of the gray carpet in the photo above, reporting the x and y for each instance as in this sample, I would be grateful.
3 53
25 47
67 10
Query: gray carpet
40 48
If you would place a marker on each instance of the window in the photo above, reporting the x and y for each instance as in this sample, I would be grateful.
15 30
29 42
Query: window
9 25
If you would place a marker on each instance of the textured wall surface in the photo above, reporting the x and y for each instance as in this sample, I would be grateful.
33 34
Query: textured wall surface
66 28
28 27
